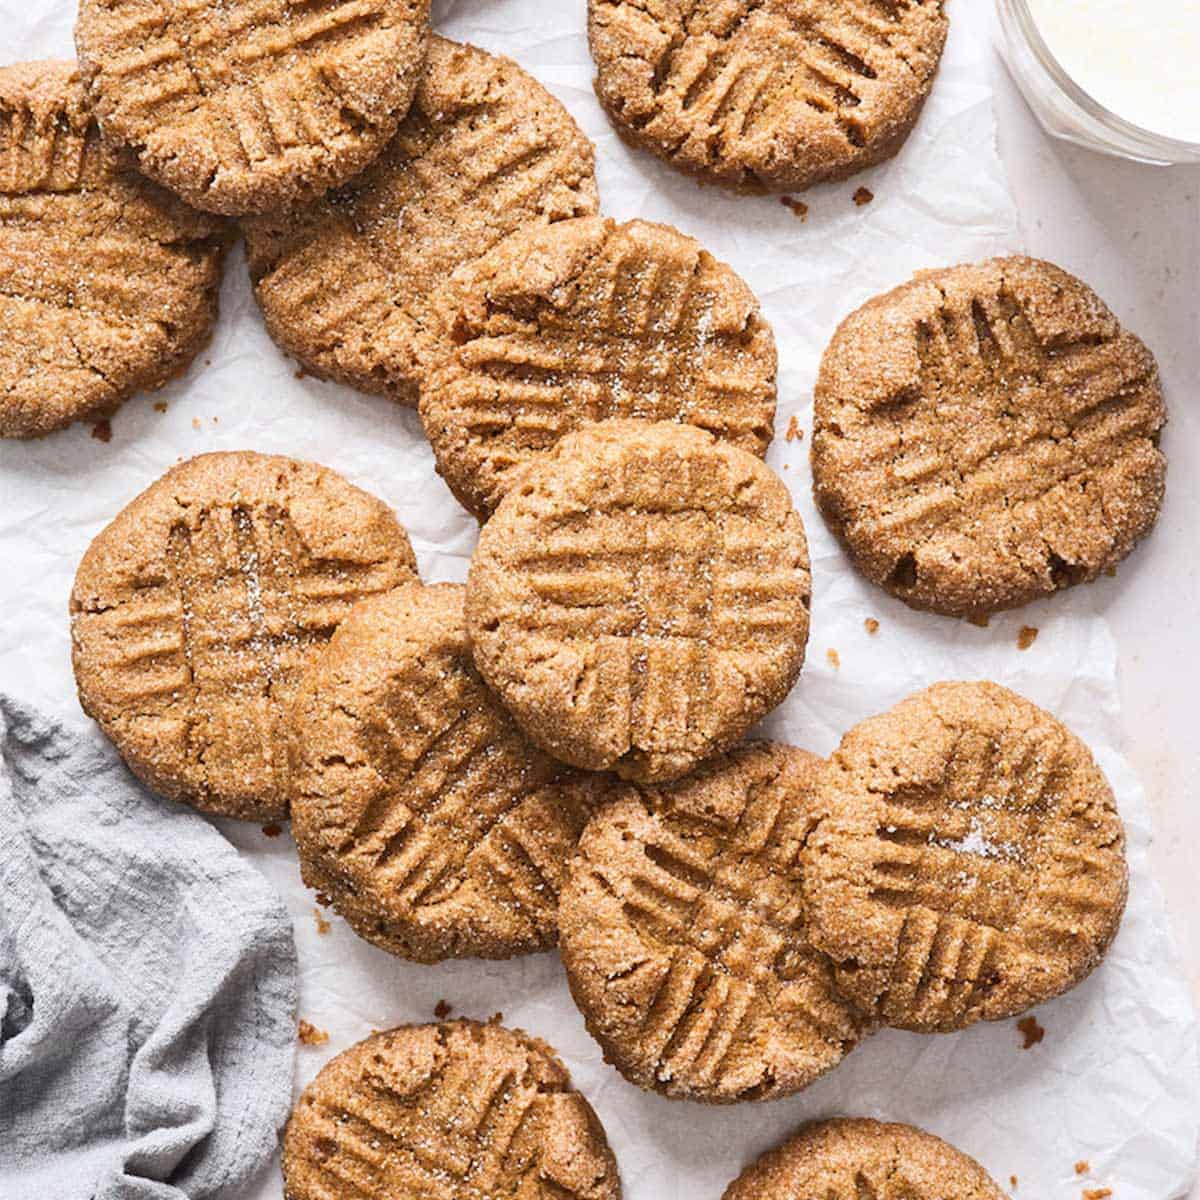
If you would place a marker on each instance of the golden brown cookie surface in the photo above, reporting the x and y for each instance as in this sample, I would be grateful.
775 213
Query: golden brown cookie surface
641 598
418 807
457 1111
344 284
108 285
771 95
852 1158
581 321
244 106
195 609
985 435
683 933
969 862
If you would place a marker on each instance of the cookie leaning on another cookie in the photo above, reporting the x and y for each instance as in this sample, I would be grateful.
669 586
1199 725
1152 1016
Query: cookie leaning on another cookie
344 283
418 807
969 862
581 321
985 435
249 105
852 1158
195 609
108 284
457 1111
641 597
766 95
683 933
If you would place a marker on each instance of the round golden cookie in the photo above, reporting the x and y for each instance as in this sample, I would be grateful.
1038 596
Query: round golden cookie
457 1111
641 598
985 435
418 807
766 95
581 321
195 609
683 933
853 1158
108 285
244 106
344 284
969 862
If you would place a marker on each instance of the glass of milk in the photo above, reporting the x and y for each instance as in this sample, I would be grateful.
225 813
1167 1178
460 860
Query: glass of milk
1119 76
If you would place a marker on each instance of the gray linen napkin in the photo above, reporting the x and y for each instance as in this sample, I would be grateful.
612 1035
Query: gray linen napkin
147 984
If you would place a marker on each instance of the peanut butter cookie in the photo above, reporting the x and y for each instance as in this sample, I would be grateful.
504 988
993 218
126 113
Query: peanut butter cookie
581 321
766 95
108 284
344 284
418 807
683 933
969 862
194 611
852 1158
985 435
457 1111
244 106
641 597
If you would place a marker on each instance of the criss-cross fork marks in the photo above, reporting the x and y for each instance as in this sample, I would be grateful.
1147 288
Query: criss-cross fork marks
39 155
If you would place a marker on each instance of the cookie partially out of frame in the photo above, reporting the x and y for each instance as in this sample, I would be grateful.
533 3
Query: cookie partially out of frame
196 608
853 1158
766 95
969 862
108 284
244 106
419 808
581 321
641 598
344 284
682 931
457 1111
986 435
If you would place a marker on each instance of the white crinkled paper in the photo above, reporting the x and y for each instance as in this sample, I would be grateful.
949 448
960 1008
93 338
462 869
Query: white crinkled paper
1116 1082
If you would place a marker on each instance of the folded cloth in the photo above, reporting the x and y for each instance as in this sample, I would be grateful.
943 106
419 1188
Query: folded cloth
147 984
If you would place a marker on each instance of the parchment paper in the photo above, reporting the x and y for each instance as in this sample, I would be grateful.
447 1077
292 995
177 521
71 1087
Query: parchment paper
1116 1082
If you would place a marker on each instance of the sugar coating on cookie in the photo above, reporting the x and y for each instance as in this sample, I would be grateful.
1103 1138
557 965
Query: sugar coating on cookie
344 284
456 1111
641 597
250 105
853 1158
683 933
985 435
766 95
419 808
108 284
196 608
582 321
969 862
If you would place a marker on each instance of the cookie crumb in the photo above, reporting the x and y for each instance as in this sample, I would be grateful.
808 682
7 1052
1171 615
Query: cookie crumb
195 422
794 432
1097 1193
1031 1031
863 196
323 900
871 626
301 373
102 430
1082 1167
1012 1181
833 658
980 620
272 830
1026 637
160 406
323 926
310 1035
216 420
797 206
442 1010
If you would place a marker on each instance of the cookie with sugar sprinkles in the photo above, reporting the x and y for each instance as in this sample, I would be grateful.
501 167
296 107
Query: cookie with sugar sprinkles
969 862
244 106
419 808
456 1111
641 597
195 610
108 284
582 321
345 283
853 1158
683 933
